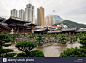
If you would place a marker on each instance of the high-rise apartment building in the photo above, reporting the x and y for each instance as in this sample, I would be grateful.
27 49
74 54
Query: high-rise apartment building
47 20
14 13
50 21
54 20
29 13
40 16
21 14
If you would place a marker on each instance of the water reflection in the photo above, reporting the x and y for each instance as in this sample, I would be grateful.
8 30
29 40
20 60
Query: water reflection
50 50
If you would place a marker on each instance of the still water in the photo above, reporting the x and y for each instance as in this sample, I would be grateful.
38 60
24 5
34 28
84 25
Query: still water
50 50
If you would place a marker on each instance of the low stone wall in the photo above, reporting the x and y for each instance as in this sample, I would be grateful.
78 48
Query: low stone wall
46 39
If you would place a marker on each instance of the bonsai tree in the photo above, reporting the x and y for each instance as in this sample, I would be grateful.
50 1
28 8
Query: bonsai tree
36 53
73 52
69 33
71 39
52 35
78 34
5 38
24 34
35 35
18 34
13 36
62 38
40 40
83 42
76 38
76 52
31 35
66 34
81 34
49 37
25 46
55 35
45 35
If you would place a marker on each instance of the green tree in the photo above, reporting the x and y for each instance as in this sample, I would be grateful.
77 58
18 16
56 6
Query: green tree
71 39
73 52
24 34
76 52
83 41
31 35
13 36
36 53
40 39
55 35
25 46
35 35
62 39
5 38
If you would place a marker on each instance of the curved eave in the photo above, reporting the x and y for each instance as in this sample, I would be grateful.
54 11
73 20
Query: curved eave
4 26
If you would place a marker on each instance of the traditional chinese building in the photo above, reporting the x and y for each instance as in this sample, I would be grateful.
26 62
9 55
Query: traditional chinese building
4 28
30 28
17 24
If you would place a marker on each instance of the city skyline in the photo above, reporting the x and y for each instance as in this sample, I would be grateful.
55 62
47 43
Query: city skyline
27 14
68 9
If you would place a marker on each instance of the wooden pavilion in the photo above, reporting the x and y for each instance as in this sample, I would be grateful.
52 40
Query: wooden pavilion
17 24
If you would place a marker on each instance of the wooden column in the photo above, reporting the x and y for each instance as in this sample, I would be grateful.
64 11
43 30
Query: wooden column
18 29
23 30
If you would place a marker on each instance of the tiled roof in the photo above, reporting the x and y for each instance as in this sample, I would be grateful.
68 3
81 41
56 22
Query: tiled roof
28 28
32 24
69 29
4 24
18 19
54 31
42 29
82 30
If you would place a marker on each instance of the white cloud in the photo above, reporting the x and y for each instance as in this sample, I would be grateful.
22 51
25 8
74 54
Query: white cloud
67 9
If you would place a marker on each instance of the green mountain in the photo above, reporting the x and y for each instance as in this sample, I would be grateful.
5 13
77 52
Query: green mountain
71 24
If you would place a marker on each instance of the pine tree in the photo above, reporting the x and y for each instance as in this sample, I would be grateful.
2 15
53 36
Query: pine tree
40 39
83 41
26 47
76 52
4 38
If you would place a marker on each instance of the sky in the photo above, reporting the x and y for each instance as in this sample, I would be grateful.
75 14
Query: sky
74 10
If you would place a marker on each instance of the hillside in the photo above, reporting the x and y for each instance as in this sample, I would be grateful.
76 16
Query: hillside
71 24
